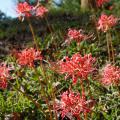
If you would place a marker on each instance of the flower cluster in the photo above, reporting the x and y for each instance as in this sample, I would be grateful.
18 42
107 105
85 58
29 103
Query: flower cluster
72 104
24 9
4 75
110 75
28 56
76 66
101 2
106 22
40 11
77 35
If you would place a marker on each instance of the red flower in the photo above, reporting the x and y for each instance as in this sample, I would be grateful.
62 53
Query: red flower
28 56
106 22
40 11
101 2
76 35
110 75
76 66
72 104
24 9
4 75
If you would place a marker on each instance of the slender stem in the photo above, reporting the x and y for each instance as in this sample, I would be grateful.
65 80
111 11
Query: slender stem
85 116
78 117
95 23
78 47
53 95
37 5
48 24
82 86
83 95
112 49
98 36
108 46
33 34
47 102
42 88
89 92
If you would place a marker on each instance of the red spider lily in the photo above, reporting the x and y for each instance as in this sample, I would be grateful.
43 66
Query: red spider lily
76 35
106 22
76 66
24 9
72 104
40 11
4 75
101 2
28 56
110 75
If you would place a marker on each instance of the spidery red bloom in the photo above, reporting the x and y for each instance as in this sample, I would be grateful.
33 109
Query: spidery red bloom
72 104
41 11
76 66
76 35
110 75
28 56
24 9
106 22
4 75
101 2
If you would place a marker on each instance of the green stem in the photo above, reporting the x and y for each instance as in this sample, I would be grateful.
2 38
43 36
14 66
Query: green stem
43 91
95 23
108 46
89 91
33 34
48 24
85 116
53 96
112 49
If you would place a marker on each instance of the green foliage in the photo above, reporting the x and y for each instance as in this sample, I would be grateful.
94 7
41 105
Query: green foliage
13 101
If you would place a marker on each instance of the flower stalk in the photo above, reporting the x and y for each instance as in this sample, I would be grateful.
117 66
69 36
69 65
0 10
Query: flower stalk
33 34
110 48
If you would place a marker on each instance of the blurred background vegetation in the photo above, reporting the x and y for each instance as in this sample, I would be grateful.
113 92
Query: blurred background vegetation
63 14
